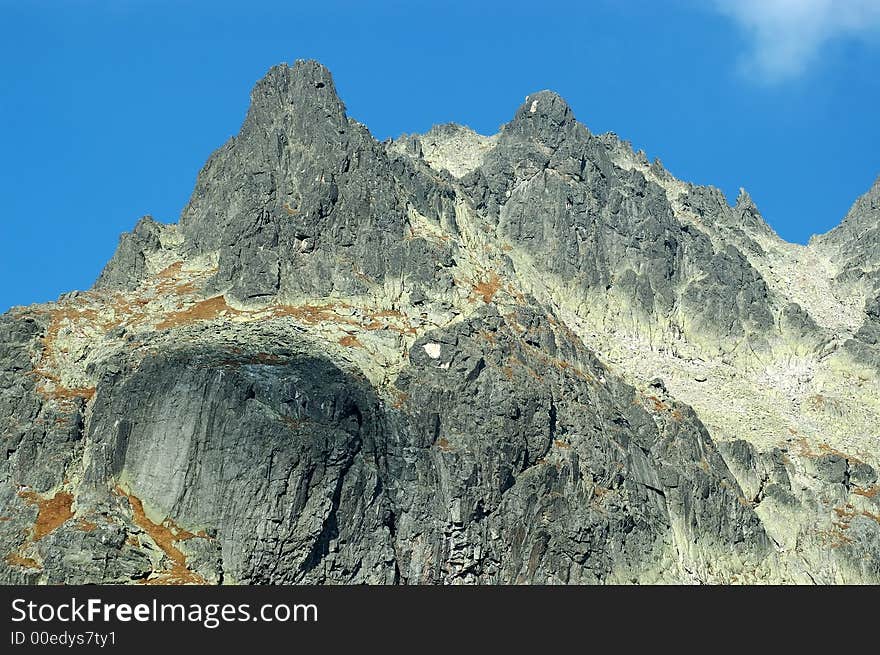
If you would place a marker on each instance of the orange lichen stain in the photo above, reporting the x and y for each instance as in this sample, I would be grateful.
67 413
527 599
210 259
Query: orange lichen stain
350 341
600 492
845 513
512 322
85 525
835 537
170 272
838 540
548 360
599 497
828 450
870 492
15 559
399 398
166 535
561 444
172 279
533 373
803 447
312 314
805 450
658 404
52 512
206 310
388 313
848 513
742 500
268 358
816 401
443 444
291 422
67 315
516 293
58 392
185 289
515 362
387 319
488 288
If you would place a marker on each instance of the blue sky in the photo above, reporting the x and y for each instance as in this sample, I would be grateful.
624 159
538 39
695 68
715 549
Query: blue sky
109 108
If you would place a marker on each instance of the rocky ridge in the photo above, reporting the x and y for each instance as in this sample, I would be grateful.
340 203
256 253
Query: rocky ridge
448 358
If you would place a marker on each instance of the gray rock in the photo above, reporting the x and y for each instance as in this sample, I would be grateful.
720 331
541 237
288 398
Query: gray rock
388 393
553 189
128 266
303 201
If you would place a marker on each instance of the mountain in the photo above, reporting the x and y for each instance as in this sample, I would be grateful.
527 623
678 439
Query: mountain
534 357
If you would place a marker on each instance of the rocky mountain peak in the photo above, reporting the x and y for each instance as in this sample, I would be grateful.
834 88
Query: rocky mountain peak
862 213
545 106
874 194
304 89
747 213
439 360
543 116
306 82
855 243
744 201
866 207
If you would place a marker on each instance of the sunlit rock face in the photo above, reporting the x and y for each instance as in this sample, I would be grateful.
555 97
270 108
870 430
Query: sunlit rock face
531 357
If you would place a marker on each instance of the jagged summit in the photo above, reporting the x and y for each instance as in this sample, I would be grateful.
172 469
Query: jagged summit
855 244
532 357
543 107
864 212
305 85
866 209
744 200
294 103
545 116
748 215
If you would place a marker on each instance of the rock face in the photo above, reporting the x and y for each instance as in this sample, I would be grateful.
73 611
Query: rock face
304 202
527 358
855 243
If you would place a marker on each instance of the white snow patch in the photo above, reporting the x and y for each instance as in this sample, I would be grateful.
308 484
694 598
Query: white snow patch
433 350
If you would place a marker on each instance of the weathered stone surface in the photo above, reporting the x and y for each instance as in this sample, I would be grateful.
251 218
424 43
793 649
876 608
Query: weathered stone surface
855 247
555 192
305 202
129 265
447 358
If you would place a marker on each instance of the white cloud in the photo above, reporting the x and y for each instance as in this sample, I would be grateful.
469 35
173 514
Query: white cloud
787 36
